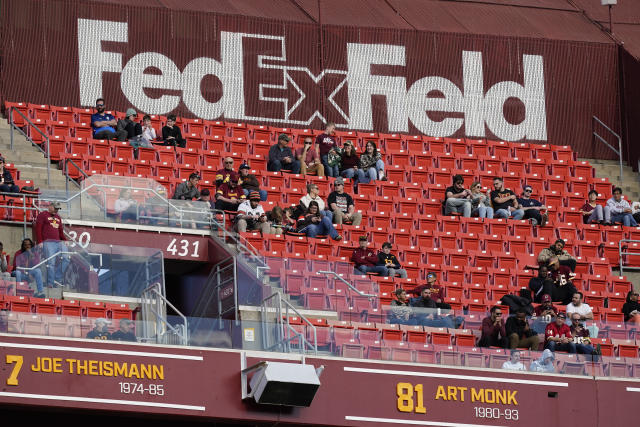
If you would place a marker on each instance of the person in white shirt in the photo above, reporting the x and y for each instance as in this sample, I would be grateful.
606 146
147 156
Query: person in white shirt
126 206
313 195
620 209
251 215
514 364
148 132
577 306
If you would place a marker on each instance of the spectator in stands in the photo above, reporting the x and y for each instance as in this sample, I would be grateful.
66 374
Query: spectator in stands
251 215
49 230
281 156
532 208
558 335
562 276
580 336
125 333
188 190
401 312
593 213
480 202
631 308
505 202
100 331
7 185
4 263
226 173
350 164
544 363
493 330
148 132
313 195
371 163
229 195
309 158
341 204
389 260
437 292
280 222
249 182
104 124
541 284
557 250
171 134
426 311
126 206
129 125
519 333
205 196
577 306
635 211
27 257
514 363
544 314
620 209
327 143
365 259
457 198
314 223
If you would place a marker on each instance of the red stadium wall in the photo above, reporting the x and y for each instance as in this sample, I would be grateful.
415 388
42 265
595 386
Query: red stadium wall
290 74
204 383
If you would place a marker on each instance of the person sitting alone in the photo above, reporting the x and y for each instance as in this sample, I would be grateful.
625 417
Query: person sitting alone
7 185
557 250
126 206
314 223
389 260
281 157
631 307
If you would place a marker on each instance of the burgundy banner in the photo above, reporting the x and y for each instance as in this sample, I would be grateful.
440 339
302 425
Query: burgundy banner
206 383
297 75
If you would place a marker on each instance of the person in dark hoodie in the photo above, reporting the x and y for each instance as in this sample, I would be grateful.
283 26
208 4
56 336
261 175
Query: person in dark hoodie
365 259
519 333
389 260
426 311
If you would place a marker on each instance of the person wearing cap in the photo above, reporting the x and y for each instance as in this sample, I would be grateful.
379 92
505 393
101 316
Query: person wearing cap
249 182
281 156
188 190
543 314
49 231
426 309
7 185
594 213
621 209
229 195
457 198
251 215
313 223
326 142
309 157
558 336
104 124
341 204
389 260
437 292
125 333
365 259
313 195
226 173
532 208
129 125
171 134
505 201
557 250
100 331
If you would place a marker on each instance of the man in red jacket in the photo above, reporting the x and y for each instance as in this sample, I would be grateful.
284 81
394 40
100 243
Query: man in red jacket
558 335
49 231
366 259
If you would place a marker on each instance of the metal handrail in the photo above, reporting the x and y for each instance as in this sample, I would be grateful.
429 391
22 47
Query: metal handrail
185 323
46 138
618 151
622 252
54 256
353 288
284 320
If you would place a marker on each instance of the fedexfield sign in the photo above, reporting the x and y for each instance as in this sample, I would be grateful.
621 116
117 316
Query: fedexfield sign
470 107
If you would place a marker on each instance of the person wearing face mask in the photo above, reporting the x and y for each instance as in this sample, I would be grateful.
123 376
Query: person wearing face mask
104 124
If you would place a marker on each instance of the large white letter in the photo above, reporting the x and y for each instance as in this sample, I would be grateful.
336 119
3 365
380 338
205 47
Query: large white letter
534 125
92 61
362 85
473 83
418 104
133 81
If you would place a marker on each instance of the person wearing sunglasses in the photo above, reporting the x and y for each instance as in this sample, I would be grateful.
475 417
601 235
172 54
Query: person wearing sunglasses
631 308
104 124
227 173
532 208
